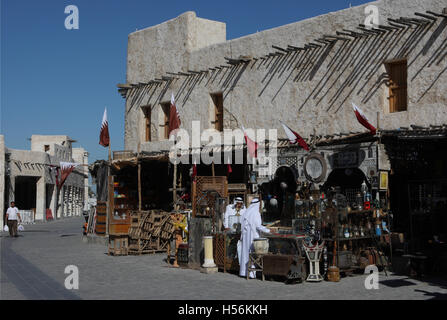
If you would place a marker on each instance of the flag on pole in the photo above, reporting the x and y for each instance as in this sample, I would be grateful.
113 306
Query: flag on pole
294 137
252 146
174 116
65 169
104 138
362 119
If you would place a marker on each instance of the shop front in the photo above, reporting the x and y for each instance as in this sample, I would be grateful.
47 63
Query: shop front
418 193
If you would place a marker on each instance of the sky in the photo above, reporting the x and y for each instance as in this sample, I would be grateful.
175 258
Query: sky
58 81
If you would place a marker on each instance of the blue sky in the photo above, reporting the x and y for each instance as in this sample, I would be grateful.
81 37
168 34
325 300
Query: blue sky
58 81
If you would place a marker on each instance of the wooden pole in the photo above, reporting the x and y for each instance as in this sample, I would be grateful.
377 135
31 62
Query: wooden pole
174 187
139 185
109 190
139 177
212 169
378 120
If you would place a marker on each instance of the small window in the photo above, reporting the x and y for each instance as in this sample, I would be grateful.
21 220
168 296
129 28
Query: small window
166 106
46 147
218 111
397 71
147 122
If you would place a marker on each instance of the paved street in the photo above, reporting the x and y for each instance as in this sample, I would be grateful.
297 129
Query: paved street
32 267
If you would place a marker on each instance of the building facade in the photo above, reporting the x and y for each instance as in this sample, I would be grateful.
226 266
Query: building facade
305 73
30 179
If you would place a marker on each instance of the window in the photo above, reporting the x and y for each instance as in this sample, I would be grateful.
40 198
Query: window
218 111
46 147
166 106
147 122
397 71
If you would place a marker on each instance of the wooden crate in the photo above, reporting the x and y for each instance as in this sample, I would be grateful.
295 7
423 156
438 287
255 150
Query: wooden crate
150 232
118 245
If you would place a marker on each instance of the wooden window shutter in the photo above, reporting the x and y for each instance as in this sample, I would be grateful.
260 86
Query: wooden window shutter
147 122
398 98
166 108
218 111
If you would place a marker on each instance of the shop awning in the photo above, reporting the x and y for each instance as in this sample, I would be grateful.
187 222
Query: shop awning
133 161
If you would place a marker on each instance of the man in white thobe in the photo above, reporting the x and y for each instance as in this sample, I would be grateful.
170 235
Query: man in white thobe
251 227
236 209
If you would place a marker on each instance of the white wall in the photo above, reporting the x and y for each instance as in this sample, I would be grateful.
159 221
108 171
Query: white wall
262 93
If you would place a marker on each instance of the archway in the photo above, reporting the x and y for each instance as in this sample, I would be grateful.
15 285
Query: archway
349 180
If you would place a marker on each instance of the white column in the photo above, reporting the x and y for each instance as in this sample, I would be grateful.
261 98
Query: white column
209 259
12 189
53 202
40 199
61 210
77 212
72 201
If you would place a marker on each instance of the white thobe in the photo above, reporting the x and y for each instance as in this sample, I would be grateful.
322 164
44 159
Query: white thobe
251 227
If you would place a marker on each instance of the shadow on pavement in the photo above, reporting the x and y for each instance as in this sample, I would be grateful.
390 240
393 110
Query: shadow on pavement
434 295
32 283
397 283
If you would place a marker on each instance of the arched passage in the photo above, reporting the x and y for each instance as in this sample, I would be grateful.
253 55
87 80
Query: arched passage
349 180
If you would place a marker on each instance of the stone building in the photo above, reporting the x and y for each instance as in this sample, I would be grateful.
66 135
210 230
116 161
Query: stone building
27 178
305 73
308 74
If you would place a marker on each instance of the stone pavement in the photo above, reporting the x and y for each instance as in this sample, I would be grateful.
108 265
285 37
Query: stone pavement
32 267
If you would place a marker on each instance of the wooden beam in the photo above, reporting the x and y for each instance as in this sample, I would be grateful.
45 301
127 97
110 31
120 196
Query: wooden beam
295 48
437 14
280 49
426 16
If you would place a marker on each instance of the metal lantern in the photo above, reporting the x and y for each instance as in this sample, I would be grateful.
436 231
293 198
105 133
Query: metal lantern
313 254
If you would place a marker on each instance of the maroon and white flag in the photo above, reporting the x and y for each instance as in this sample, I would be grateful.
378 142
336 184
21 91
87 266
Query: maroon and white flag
294 137
252 146
65 169
229 169
194 171
362 119
104 138
174 116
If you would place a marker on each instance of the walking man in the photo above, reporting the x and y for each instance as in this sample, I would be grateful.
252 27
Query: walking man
12 214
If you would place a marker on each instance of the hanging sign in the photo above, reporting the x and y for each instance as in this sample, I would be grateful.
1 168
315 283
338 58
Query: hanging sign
346 159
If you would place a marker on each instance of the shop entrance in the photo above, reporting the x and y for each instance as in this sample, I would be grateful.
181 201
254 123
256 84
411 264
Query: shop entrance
25 192
349 180
281 193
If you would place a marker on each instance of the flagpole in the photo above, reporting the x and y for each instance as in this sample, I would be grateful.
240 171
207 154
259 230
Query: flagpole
109 190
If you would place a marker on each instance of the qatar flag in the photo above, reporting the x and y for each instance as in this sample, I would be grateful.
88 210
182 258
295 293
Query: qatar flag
104 138
294 137
252 146
174 117
65 169
362 119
